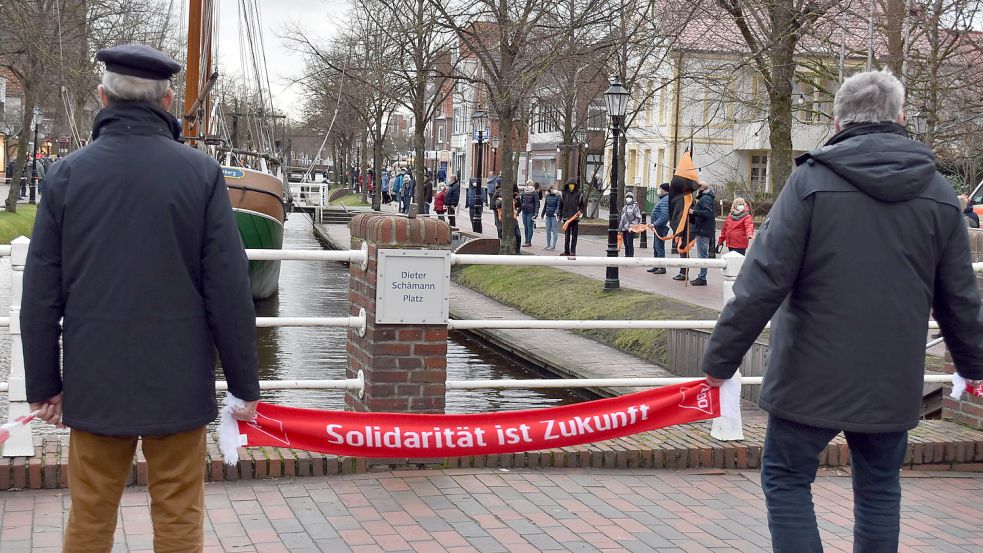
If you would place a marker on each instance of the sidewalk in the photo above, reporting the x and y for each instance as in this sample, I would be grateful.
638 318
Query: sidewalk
492 511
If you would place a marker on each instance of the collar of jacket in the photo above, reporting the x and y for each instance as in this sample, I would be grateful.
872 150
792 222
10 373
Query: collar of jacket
858 129
135 118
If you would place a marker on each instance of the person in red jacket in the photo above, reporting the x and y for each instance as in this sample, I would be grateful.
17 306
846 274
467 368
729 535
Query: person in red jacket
438 202
738 228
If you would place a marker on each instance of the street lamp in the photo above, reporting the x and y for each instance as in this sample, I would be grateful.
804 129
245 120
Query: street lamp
495 143
580 137
478 122
616 101
38 117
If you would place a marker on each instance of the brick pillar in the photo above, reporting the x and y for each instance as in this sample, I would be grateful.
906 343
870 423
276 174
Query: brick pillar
404 366
969 410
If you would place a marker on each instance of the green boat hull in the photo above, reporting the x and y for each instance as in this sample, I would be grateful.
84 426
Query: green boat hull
261 232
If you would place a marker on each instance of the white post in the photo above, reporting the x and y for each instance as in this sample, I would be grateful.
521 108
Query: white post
734 262
20 444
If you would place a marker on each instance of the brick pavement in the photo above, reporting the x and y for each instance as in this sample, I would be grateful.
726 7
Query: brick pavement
520 510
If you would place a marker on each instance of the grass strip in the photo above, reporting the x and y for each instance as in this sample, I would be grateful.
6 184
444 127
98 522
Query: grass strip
549 293
17 224
351 200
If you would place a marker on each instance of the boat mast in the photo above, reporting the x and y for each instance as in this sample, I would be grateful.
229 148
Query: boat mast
196 92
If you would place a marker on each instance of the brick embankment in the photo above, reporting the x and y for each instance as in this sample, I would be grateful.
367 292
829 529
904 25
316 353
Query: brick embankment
933 446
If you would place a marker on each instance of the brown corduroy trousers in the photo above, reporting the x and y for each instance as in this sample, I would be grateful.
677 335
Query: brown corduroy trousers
98 469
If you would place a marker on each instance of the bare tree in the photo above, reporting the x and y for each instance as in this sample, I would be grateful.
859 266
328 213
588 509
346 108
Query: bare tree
771 30
425 71
514 43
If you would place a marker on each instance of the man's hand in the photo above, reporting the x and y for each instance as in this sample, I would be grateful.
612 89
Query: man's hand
247 412
50 410
714 381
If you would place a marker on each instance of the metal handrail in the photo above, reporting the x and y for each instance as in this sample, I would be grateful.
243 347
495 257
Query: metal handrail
586 261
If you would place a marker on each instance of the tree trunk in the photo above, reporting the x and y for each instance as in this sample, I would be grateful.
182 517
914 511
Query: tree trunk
780 111
23 146
507 244
419 144
363 171
377 144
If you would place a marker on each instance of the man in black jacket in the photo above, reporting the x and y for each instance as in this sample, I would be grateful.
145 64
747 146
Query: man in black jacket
136 246
863 242
704 227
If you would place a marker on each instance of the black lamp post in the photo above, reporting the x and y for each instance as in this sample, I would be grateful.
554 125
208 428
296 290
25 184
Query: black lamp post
616 100
478 122
495 142
38 117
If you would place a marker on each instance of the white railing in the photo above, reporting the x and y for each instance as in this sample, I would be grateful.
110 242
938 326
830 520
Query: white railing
311 194
22 444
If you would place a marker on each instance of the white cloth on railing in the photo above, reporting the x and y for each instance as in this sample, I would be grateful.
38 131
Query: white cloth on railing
229 439
728 426
959 386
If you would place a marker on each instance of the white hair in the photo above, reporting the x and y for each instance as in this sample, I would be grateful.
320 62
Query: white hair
126 88
869 97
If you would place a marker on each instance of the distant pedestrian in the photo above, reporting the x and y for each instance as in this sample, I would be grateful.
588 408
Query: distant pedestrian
864 240
971 216
140 303
452 198
571 210
386 198
738 228
428 193
438 202
704 227
551 215
528 207
630 215
474 202
406 194
660 226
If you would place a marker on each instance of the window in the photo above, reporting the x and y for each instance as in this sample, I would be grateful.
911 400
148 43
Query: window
660 166
663 94
759 172
440 134
649 104
647 173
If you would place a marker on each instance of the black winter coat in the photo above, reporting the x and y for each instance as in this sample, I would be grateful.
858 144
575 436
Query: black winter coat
135 244
704 215
571 203
453 195
863 242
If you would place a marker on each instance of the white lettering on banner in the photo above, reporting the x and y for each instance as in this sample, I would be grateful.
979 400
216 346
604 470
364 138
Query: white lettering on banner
463 436
579 426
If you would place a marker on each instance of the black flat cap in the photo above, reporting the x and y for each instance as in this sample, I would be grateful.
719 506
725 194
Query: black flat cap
138 60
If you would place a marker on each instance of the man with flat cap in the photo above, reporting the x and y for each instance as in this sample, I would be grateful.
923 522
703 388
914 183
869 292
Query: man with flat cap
136 250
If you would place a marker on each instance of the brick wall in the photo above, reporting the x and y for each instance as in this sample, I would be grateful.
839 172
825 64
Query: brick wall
969 410
405 366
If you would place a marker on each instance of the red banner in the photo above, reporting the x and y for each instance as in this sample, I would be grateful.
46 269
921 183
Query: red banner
420 435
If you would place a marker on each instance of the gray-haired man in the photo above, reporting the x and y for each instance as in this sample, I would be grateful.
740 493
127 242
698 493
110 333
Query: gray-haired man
136 249
863 242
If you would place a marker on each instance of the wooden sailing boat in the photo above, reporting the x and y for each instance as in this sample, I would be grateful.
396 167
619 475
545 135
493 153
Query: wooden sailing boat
258 196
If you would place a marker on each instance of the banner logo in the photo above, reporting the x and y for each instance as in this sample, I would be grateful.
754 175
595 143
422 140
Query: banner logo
698 399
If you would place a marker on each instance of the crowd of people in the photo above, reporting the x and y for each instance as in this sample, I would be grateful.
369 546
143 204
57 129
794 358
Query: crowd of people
26 175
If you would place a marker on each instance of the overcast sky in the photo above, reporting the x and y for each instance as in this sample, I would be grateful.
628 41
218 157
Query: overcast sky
318 17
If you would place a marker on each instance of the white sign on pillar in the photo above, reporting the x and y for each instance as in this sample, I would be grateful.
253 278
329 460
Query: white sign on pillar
412 287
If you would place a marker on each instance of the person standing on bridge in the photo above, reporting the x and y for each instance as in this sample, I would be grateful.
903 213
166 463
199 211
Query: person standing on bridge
452 198
145 300
864 240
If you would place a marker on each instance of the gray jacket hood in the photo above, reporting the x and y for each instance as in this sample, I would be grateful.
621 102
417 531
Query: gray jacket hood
879 159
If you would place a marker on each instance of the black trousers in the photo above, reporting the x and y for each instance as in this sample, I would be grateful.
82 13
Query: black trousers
452 215
570 238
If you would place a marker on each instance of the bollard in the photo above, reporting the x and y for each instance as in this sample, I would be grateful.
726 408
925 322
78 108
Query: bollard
20 444
734 263
643 241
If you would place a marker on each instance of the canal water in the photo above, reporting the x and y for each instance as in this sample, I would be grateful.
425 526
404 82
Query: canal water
320 289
